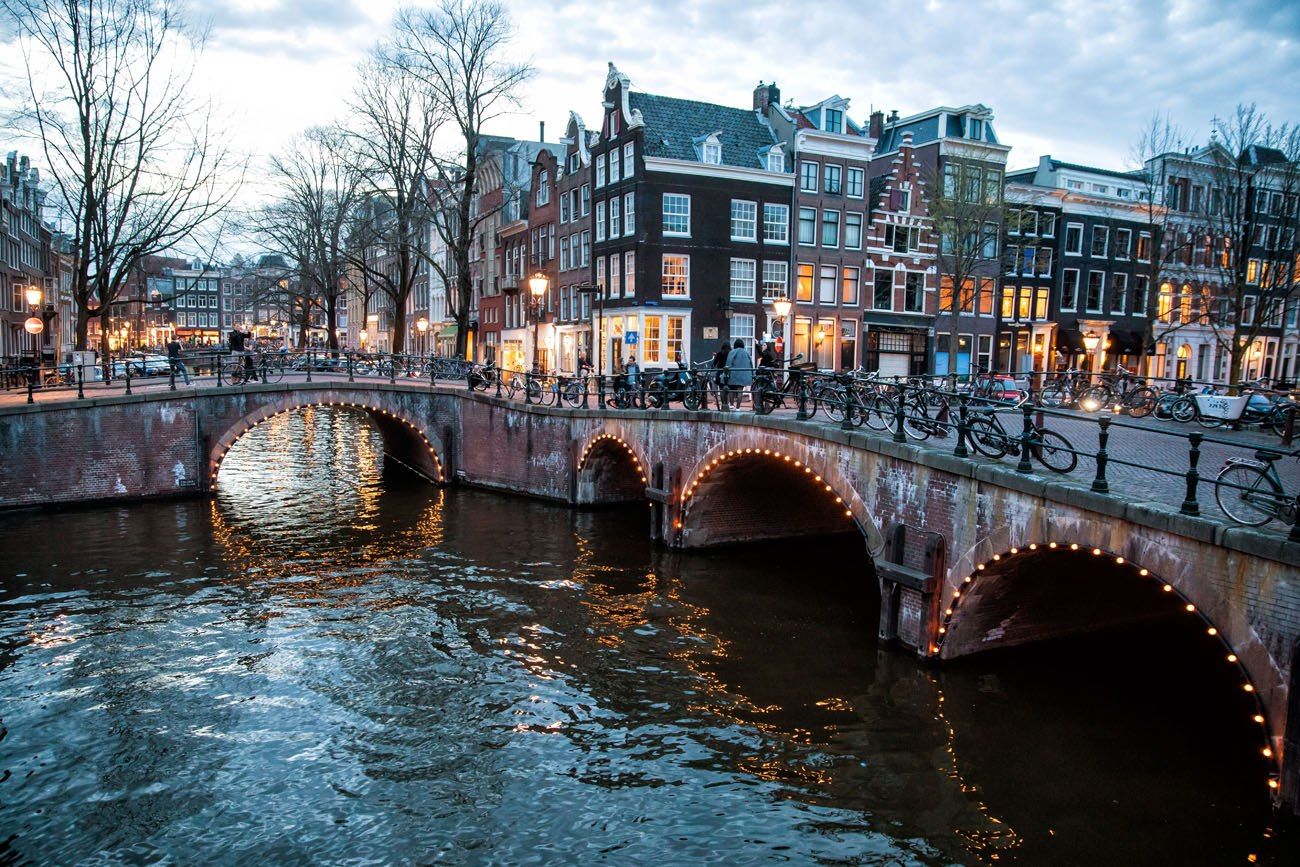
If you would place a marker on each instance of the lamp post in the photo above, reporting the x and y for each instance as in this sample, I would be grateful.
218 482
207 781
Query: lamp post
537 286
422 326
594 289
780 310
34 326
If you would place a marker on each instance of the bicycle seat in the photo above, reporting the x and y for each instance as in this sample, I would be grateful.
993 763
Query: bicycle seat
1268 456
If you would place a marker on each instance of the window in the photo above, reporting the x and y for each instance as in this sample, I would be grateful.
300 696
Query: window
675 342
830 228
1047 225
743 274
776 223
1074 239
600 276
1012 258
711 152
586 199
808 227
775 160
971 184
629 160
1027 258
975 129
1119 293
1008 309
1100 240
677 214
742 328
775 276
808 176
914 293
1140 299
615 217
614 282
831 180
586 248
804 290
985 300
1014 219
990 246
852 231
564 209
629 274
676 276
1123 242
744 220
950 181
1043 262
882 290
1070 289
849 286
856 183
543 188
564 255
833 120
992 186
1144 247
650 340
600 170
903 199
600 221
826 285
613 165
629 213
902 239
1096 280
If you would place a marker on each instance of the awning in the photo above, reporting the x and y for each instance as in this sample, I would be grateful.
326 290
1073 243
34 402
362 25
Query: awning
894 320
1069 340
1125 342
447 332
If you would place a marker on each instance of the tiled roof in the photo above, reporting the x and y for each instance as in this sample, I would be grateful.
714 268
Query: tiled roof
1114 173
672 127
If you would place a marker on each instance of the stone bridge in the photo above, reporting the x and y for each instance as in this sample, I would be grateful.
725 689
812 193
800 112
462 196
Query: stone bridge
969 555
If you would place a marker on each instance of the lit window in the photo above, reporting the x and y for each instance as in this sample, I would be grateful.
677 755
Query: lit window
676 276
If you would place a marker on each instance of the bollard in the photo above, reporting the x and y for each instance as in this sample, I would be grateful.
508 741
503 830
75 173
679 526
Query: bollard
1099 484
963 426
81 378
126 368
1288 431
392 369
802 414
31 381
846 423
586 380
497 372
1026 440
351 369
900 417
216 365
171 376
309 365
1190 506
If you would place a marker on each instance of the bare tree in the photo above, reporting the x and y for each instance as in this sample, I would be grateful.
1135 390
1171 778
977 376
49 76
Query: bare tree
307 224
1252 219
968 219
458 50
392 146
135 168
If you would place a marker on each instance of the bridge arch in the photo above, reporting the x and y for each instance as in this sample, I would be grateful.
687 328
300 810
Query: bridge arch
769 488
610 470
407 440
1003 602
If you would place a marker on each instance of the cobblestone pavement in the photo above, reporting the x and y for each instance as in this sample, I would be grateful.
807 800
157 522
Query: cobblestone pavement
1148 457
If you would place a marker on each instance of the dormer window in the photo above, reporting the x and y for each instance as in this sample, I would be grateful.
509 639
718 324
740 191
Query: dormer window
976 130
775 160
833 120
711 152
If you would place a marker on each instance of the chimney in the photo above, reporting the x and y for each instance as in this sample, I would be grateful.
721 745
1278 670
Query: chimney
765 95
541 130
893 115
876 127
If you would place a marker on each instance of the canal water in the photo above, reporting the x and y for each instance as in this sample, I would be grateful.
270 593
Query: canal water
322 665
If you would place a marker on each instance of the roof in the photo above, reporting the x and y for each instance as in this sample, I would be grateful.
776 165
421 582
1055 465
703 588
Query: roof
1078 167
673 126
1258 155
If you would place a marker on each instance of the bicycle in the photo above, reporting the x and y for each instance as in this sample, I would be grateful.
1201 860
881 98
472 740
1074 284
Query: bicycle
263 368
1064 390
1125 389
989 438
1250 491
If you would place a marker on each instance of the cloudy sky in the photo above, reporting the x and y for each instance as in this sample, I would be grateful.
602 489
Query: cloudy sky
1073 79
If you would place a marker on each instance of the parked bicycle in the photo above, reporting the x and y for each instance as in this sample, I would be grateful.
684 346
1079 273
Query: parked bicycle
1122 389
991 439
264 367
1249 491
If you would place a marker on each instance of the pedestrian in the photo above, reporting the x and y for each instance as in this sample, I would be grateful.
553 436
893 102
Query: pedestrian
632 371
237 342
740 370
174 359
767 358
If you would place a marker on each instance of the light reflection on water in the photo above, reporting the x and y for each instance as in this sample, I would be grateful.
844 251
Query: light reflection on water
321 666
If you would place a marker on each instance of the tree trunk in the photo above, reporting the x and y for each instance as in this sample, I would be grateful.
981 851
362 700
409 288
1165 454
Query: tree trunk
83 329
331 324
399 329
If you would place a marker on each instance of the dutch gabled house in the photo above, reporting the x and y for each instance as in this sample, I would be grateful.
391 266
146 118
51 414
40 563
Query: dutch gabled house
1078 244
573 189
686 211
958 149
829 155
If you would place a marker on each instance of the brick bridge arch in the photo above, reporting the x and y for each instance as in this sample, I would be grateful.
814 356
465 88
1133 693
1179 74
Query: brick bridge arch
407 438
610 469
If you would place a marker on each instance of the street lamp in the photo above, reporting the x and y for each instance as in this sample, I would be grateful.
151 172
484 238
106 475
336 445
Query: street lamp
780 310
594 289
34 326
537 285
1091 341
422 326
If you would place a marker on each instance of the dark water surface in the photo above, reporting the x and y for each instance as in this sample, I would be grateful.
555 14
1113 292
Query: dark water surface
319 666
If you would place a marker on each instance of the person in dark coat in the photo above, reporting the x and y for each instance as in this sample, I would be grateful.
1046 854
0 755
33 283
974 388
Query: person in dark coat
174 359
767 358
740 370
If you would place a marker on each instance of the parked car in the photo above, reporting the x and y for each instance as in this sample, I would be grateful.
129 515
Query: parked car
141 365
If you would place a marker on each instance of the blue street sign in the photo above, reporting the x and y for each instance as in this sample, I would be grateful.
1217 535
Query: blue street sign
629 338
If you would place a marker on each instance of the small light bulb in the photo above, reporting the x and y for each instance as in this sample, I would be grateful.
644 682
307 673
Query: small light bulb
1259 718
1169 588
1212 631
1248 688
1232 657
1119 561
1074 546
1033 546
1144 573
1051 544
1190 608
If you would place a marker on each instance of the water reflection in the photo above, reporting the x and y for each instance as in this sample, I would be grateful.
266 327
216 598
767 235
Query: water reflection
322 665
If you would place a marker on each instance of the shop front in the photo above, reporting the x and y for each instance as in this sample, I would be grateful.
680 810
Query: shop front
656 336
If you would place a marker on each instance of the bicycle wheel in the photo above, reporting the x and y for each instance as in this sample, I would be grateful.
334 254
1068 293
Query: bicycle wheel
234 372
1054 451
271 371
693 398
1247 494
1183 410
916 422
878 412
834 401
572 392
764 398
1141 401
532 391
1277 422
655 395
1054 395
1210 421
986 438
1093 398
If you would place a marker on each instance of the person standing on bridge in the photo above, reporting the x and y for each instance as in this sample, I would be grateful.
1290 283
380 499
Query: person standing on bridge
237 339
740 370
174 358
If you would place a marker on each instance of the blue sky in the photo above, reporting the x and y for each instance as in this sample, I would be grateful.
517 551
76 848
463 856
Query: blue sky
1074 79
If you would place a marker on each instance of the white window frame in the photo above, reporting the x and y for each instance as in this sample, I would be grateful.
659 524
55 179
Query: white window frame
612 156
663 264
816 167
815 225
751 220
1078 286
675 197
629 213
776 274
629 274
861 174
746 272
629 160
1066 245
769 209
600 221
845 232
600 171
